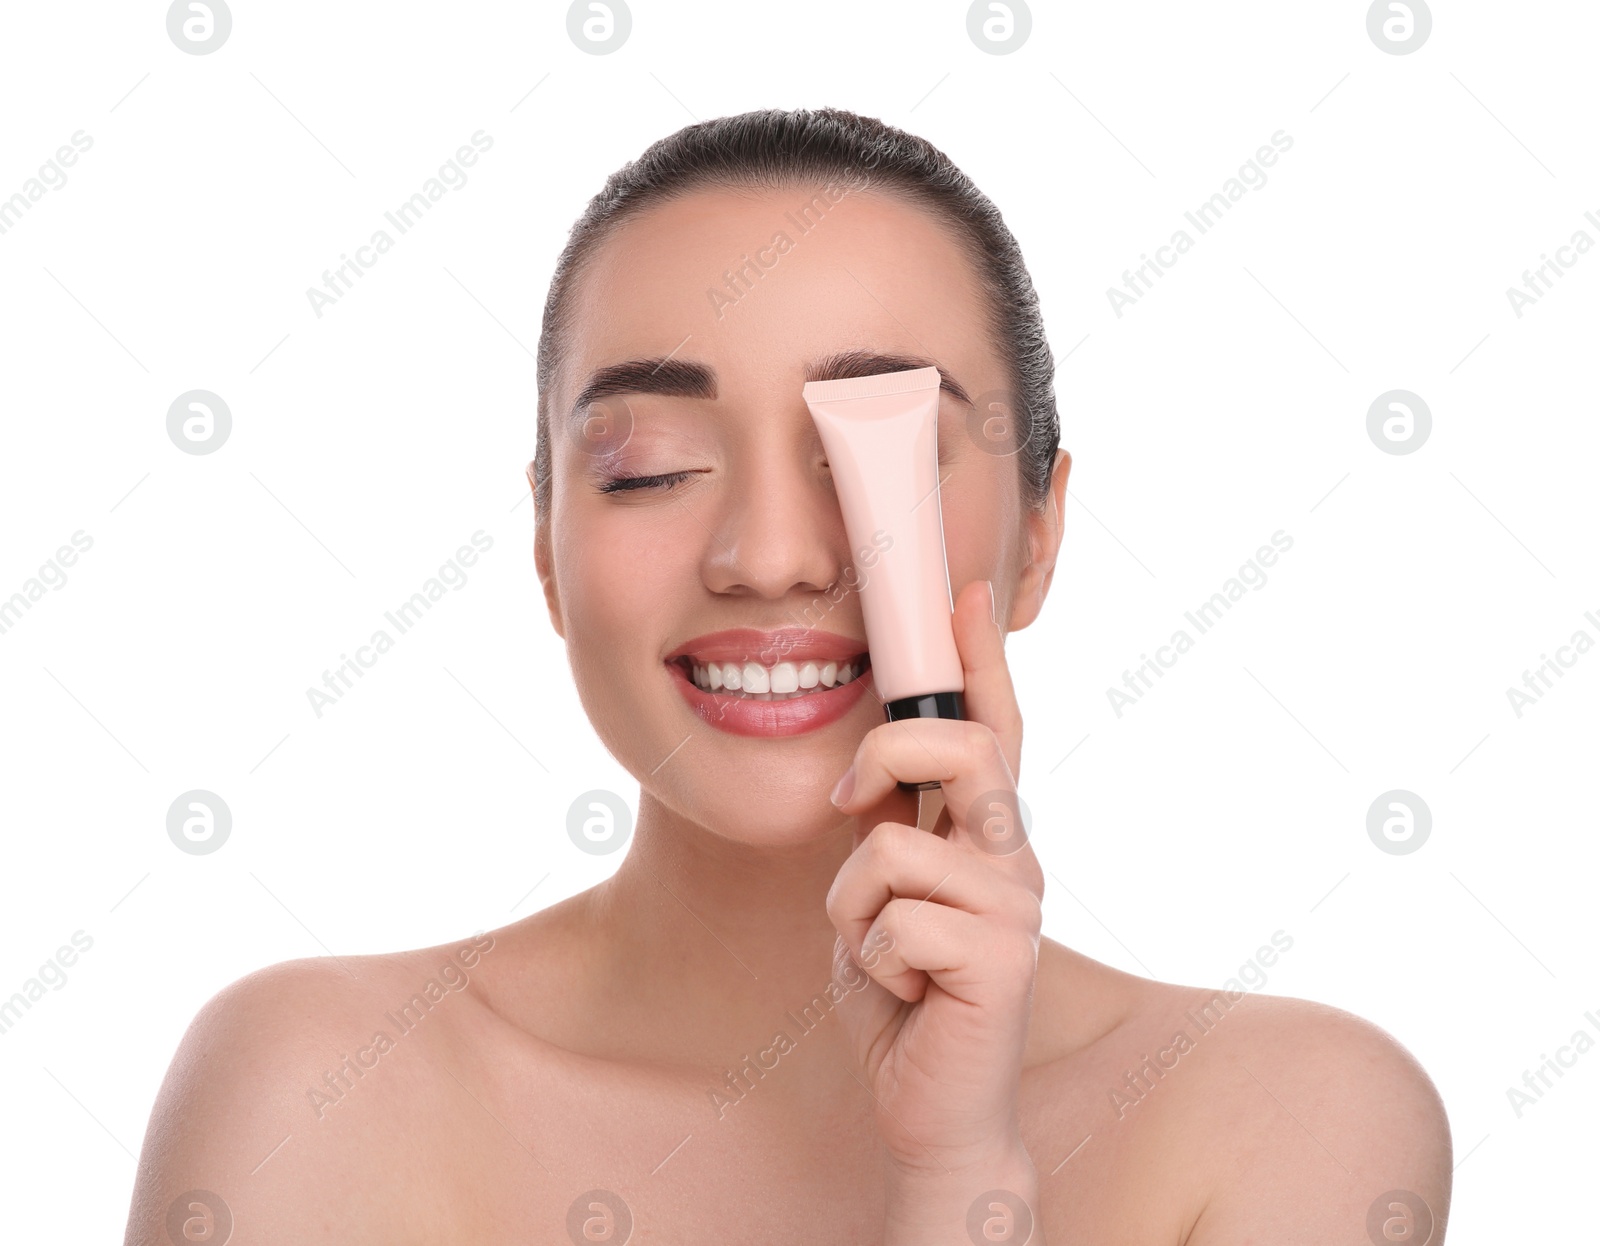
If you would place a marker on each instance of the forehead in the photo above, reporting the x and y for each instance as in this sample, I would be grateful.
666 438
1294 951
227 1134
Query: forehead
753 282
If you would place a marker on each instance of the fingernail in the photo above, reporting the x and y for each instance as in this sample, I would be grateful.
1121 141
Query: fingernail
843 788
994 610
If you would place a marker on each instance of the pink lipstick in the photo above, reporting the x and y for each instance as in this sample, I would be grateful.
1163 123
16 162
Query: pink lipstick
771 683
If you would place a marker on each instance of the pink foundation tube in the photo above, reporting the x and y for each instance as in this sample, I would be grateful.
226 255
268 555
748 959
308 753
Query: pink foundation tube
881 435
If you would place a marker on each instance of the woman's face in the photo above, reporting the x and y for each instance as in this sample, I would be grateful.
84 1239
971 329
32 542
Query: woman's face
753 537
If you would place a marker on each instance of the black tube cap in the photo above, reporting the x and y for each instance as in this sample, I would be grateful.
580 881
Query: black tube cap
929 705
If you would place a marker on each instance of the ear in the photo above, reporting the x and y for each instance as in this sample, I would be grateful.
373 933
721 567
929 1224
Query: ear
1044 544
542 560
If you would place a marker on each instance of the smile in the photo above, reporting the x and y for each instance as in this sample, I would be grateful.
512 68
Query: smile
780 683
783 681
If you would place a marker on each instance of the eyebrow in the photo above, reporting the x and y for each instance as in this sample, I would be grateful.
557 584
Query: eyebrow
686 378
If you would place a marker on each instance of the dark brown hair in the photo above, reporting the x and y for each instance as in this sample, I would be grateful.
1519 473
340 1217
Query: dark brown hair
777 148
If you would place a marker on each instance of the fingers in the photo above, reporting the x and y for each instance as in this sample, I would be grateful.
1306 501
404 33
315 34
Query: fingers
870 1013
990 701
991 732
966 757
899 860
974 959
906 877
892 805
989 695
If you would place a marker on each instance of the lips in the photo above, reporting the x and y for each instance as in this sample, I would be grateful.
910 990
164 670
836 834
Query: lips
741 715
786 644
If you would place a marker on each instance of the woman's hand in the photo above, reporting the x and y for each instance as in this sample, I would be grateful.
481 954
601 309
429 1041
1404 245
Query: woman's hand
945 923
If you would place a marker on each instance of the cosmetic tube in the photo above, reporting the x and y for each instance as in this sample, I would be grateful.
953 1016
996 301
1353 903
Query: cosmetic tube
881 435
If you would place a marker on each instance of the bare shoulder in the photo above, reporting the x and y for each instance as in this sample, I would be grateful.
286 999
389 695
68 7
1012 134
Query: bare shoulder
1315 1125
289 1099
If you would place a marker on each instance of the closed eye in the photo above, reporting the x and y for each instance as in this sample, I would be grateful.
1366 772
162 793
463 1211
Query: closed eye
665 482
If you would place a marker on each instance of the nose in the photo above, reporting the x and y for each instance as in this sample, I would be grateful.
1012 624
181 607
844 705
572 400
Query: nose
777 531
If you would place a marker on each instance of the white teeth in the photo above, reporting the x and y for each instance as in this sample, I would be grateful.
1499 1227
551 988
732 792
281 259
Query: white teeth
780 682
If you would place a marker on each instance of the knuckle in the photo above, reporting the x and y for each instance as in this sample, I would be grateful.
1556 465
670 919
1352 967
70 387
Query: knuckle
982 745
889 842
997 750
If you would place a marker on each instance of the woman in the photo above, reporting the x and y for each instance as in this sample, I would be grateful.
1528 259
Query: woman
658 1059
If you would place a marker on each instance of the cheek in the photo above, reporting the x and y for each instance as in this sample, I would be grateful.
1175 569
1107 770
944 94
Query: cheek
620 572
980 510
611 646
630 585
601 585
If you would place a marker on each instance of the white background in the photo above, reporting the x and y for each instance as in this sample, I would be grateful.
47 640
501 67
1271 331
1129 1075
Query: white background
1230 402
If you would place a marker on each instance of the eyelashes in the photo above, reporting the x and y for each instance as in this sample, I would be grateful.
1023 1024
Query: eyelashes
665 482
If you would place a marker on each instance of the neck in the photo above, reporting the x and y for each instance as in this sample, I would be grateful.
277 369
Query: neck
717 941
